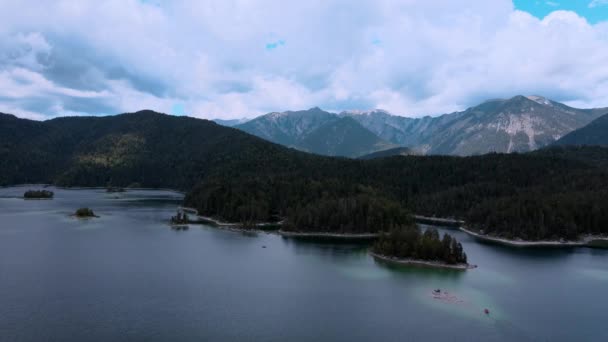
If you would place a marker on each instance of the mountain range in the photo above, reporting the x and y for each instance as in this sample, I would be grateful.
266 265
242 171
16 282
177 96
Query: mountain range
518 124
316 131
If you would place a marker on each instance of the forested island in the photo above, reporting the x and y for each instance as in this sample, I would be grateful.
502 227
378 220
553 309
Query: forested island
84 213
38 194
407 245
551 194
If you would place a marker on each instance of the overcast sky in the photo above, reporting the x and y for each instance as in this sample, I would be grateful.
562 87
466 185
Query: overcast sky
241 58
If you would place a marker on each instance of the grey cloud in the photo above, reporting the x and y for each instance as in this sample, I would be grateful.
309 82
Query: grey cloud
78 65
89 105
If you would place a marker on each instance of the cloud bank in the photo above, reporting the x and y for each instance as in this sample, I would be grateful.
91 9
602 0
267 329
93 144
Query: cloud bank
239 58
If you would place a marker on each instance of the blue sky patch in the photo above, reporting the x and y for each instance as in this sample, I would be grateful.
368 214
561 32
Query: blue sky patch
178 109
593 10
274 45
151 2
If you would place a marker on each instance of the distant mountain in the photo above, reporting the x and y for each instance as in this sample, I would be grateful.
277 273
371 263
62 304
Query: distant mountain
393 152
518 124
396 129
316 131
594 134
343 137
287 128
231 122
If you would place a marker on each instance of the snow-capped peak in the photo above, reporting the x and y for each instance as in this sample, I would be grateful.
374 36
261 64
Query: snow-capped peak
275 115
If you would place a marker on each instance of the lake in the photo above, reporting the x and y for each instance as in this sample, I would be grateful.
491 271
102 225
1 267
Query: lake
126 276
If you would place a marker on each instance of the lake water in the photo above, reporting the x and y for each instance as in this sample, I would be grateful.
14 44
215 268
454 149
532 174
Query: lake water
126 276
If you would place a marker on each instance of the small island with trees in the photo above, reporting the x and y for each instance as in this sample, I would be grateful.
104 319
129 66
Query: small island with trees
179 221
38 194
180 218
408 246
84 213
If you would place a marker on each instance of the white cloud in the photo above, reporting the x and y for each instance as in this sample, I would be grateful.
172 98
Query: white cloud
598 3
409 57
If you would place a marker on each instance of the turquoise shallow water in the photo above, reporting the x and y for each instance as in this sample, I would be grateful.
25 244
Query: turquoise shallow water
127 276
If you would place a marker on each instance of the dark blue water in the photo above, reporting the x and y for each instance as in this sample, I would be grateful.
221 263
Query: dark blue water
127 276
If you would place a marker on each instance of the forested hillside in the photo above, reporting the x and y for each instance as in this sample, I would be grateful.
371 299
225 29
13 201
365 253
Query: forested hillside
144 148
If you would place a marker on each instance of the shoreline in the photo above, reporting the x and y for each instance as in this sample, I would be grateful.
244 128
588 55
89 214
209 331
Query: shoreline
212 221
232 226
590 241
329 236
194 211
269 228
416 262
43 185
438 221
587 241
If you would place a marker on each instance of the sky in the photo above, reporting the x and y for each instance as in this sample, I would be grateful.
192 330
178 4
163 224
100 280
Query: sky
242 58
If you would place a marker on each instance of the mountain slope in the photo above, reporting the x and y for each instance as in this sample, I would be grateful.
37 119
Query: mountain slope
343 137
287 128
518 124
595 133
316 131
